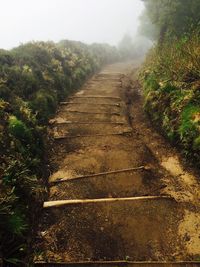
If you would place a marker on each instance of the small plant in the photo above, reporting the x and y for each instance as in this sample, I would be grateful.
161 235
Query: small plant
170 78
18 129
34 77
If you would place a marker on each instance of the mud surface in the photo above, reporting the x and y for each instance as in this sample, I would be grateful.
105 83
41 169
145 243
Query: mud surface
141 230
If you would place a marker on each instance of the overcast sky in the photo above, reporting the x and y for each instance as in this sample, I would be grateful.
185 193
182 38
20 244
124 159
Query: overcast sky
83 20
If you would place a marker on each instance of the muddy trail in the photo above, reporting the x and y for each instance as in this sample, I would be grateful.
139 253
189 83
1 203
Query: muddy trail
119 194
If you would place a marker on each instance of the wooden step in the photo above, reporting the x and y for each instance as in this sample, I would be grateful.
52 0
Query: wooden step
93 112
96 96
91 104
60 203
121 263
139 228
91 135
101 174
88 123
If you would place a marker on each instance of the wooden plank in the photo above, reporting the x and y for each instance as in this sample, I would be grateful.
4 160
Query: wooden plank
94 135
99 174
60 203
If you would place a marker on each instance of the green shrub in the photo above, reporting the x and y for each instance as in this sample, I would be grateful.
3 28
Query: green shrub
34 77
44 105
188 127
151 83
170 78
19 130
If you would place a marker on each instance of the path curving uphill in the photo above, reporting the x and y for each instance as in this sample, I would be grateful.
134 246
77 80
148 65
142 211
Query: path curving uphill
108 204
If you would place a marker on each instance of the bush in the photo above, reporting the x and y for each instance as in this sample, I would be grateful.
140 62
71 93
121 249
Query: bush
171 80
18 129
34 77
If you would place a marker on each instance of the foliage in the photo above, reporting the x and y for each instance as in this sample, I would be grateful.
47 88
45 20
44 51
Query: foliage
170 75
171 80
172 17
34 77
18 129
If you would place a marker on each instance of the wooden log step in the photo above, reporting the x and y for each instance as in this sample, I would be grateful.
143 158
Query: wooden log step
91 104
60 203
96 96
90 123
102 79
120 263
96 113
92 135
108 76
61 180
108 72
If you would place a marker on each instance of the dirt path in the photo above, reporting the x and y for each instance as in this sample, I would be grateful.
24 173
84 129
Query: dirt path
101 130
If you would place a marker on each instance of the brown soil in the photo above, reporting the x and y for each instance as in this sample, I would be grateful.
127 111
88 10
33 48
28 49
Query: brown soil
141 230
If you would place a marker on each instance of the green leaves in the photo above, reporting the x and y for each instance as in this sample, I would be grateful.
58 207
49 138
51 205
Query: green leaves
172 17
188 128
170 77
18 129
16 224
33 79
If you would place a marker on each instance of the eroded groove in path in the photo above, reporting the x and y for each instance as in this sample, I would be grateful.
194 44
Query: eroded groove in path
149 229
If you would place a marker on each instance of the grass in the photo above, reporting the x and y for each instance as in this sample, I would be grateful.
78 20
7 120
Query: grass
34 78
171 81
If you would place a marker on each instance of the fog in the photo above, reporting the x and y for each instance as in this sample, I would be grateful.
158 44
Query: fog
83 20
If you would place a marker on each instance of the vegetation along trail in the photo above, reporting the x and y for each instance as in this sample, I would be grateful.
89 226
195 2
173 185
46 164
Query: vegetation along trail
119 193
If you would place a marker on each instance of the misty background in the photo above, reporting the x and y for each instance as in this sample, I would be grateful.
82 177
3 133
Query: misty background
102 21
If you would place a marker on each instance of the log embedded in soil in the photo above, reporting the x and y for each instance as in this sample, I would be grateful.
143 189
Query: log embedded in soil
111 73
99 174
112 80
59 203
122 262
96 96
89 123
96 113
90 104
93 135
